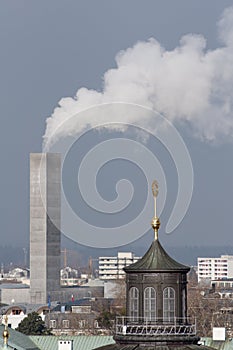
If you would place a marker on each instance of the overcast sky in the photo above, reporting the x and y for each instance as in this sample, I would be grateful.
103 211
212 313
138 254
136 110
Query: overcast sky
50 50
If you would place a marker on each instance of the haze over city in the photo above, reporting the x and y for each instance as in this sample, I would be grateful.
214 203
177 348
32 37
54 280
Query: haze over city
60 58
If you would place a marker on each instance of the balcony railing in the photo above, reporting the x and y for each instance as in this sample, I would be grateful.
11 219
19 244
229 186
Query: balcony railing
154 327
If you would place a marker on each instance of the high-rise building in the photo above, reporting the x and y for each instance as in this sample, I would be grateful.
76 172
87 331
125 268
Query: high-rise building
45 236
111 267
215 268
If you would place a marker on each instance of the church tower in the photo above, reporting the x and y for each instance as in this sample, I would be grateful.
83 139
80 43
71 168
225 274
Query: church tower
156 302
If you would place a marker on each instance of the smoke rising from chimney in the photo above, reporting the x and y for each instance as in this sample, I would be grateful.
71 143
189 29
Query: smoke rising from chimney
187 84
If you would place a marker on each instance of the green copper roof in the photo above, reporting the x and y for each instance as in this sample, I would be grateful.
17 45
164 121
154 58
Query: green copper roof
156 259
18 340
80 342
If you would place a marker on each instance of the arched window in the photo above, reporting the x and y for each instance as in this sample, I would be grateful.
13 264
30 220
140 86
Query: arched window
149 303
168 304
133 303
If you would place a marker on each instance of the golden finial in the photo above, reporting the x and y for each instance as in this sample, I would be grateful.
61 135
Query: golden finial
155 221
5 333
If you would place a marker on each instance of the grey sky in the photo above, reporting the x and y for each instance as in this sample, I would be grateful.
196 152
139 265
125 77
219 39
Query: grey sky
51 49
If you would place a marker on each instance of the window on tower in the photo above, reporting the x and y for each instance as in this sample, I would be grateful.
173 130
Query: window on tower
168 304
133 303
149 303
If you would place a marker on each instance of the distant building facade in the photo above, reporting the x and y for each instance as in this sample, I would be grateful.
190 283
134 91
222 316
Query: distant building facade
226 283
111 267
215 268
16 313
45 237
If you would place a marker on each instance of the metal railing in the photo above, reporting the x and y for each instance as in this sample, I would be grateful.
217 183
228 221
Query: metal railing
154 326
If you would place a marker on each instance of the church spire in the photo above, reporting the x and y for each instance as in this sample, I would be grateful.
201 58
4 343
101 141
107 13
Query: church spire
155 223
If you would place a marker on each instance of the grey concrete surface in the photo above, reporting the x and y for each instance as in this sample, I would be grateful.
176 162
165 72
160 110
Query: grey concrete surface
45 236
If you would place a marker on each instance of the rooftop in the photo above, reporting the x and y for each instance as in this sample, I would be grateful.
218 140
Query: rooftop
156 259
18 340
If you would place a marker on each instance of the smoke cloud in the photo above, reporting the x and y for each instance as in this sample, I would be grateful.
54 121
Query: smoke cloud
188 84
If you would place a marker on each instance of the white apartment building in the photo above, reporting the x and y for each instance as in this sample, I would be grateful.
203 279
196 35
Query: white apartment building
226 283
215 268
111 267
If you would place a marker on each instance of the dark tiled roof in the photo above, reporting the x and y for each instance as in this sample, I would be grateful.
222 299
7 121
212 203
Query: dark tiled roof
4 309
26 308
81 302
69 304
156 259
120 347
153 347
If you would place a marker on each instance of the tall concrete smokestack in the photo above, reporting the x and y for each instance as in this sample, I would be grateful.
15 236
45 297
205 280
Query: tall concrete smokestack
45 217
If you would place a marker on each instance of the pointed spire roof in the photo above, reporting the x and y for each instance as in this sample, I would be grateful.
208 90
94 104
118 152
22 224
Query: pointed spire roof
156 259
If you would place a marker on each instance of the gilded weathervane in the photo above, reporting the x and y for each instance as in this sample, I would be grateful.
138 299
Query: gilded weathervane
155 221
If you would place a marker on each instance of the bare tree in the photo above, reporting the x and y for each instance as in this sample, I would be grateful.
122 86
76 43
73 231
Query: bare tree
119 302
209 310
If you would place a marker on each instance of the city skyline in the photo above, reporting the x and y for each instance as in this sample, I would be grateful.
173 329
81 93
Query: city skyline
44 62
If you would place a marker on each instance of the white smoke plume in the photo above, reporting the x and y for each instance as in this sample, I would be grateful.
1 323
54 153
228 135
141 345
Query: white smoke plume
187 84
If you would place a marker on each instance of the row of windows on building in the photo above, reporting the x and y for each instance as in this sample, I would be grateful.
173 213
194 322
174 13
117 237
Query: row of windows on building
209 270
150 303
66 324
209 261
